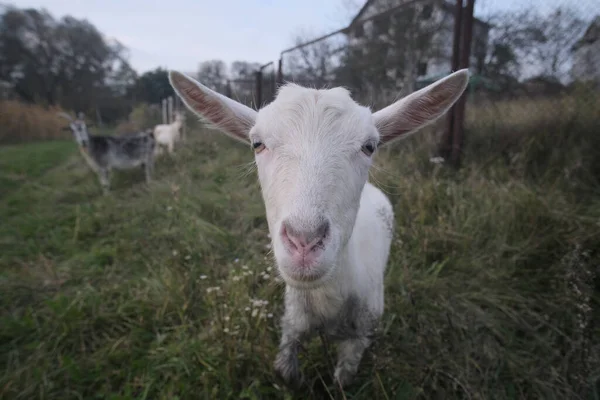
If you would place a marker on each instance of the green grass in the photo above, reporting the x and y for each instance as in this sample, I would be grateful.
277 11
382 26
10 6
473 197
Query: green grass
19 163
488 289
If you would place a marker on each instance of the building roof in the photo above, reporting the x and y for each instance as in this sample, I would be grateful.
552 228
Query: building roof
591 34
447 6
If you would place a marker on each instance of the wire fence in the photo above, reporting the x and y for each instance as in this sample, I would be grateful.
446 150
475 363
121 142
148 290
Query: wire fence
525 57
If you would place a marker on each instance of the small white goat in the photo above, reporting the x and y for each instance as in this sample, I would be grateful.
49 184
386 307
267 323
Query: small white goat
331 229
167 134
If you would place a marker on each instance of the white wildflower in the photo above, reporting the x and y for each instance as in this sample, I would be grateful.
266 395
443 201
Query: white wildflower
203 277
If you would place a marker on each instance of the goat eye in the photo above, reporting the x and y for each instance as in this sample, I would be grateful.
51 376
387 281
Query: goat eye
258 147
368 148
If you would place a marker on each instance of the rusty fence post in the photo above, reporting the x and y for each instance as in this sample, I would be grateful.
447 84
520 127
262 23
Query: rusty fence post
445 145
459 113
164 111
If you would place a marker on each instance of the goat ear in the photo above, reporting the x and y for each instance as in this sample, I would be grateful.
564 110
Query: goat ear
227 115
420 108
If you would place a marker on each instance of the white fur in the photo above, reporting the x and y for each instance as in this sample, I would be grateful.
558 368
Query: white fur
167 135
314 167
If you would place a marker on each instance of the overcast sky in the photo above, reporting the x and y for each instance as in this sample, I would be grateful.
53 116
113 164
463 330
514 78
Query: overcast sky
179 34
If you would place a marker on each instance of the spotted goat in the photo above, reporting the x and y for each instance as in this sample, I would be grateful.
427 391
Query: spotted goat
331 229
104 153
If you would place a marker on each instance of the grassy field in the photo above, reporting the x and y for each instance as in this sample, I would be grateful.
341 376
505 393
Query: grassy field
168 291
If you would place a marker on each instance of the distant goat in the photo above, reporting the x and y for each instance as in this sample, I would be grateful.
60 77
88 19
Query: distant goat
331 230
103 153
168 134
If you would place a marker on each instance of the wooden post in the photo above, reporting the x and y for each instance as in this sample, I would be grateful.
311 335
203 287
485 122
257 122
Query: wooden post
465 57
178 109
164 111
170 106
445 146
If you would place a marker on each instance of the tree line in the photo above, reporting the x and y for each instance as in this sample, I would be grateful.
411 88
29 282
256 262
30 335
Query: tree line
68 62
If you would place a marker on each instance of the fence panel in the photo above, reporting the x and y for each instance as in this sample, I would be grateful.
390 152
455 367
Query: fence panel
534 55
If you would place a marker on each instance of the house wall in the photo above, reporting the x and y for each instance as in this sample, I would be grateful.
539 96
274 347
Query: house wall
438 61
586 62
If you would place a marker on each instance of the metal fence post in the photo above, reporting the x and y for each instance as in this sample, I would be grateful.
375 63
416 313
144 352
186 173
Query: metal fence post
445 146
465 58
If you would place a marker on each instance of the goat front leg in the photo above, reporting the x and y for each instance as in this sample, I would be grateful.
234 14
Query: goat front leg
294 330
350 352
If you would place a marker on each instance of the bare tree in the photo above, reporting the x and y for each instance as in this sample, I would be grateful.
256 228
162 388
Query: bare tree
243 69
314 64
386 50
243 81
214 74
527 43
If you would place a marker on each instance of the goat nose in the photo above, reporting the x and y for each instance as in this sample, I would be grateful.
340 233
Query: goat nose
304 240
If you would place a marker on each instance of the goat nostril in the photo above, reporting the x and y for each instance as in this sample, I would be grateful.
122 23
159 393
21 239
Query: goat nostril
287 238
304 241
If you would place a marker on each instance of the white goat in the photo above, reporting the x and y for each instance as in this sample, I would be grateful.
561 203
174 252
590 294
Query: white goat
331 229
167 134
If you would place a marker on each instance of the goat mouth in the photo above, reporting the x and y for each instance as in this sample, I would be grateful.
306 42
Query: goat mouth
304 274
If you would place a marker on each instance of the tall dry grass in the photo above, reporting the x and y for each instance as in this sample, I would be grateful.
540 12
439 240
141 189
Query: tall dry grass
20 122
538 138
